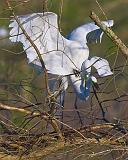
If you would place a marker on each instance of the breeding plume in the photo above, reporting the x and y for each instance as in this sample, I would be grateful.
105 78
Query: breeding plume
66 57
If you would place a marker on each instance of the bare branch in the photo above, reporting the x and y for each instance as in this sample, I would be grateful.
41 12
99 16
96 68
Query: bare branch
44 115
110 34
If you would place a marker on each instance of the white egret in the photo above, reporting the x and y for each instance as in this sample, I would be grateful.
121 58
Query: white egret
61 56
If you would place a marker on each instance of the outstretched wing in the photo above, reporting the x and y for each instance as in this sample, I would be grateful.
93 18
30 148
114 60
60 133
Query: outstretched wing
88 33
58 53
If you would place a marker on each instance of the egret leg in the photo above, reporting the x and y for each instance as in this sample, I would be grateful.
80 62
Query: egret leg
76 108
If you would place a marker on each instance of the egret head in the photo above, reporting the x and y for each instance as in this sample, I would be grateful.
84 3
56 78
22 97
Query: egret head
87 79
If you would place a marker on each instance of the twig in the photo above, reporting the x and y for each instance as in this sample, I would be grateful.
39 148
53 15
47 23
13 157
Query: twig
110 34
100 104
44 115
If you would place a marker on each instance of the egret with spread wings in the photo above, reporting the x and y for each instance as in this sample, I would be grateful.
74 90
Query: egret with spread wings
61 56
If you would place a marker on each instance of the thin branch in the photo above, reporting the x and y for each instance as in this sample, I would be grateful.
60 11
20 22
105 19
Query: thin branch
100 104
44 115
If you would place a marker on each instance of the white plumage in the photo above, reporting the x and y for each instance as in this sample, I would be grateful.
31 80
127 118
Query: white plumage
61 56
58 53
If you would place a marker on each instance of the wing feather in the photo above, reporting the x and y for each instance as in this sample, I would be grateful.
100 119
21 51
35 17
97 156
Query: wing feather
88 33
58 53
